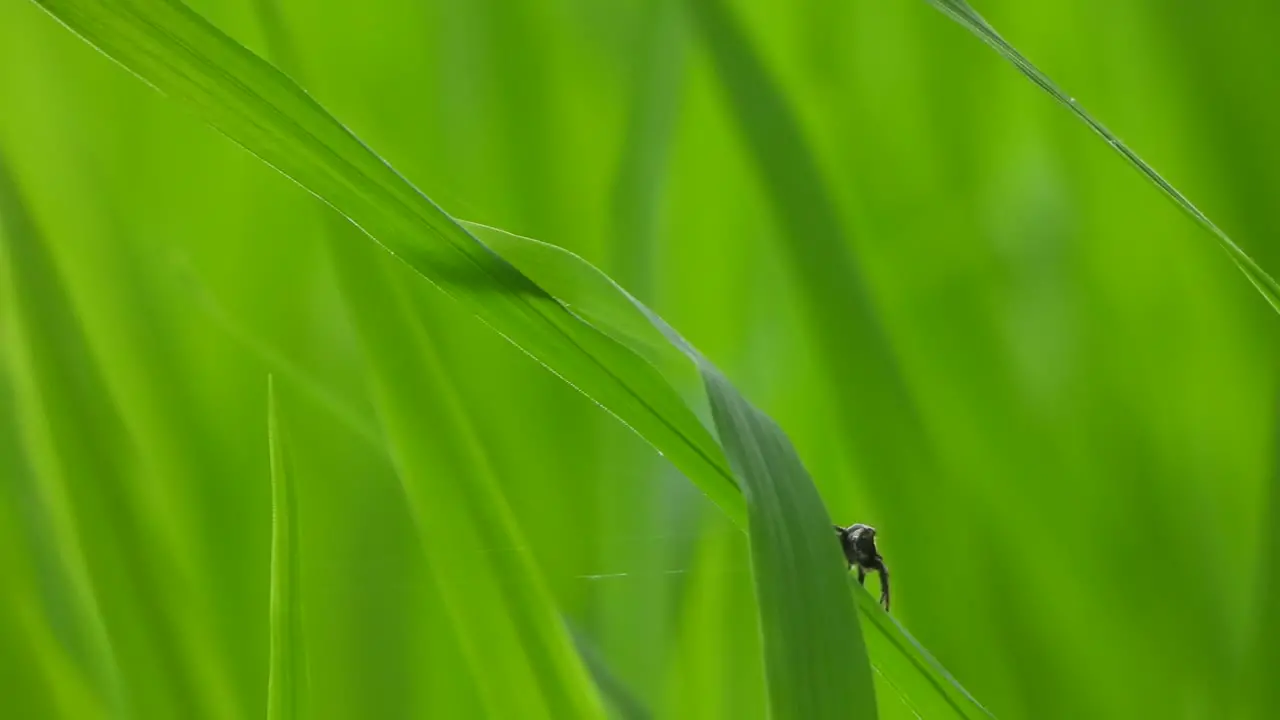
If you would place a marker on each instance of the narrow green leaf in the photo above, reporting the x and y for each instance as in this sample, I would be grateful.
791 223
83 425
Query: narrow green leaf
288 683
182 55
860 365
816 669
631 615
963 13
717 670
622 701
898 657
908 670
54 651
102 520
814 656
518 650
534 648
54 387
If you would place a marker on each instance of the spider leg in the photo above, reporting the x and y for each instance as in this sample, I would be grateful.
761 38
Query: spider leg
884 583
862 575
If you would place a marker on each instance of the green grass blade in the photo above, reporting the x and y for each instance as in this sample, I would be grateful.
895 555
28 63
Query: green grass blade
908 670
860 364
815 660
287 686
244 97
717 671
533 650
46 597
963 13
897 656
518 650
631 615
247 99
103 516
55 387
623 703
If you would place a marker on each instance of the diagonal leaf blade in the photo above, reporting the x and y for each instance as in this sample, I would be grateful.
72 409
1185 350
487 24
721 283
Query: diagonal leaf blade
966 16
518 650
244 97
814 657
894 654
817 669
859 361
87 476
63 600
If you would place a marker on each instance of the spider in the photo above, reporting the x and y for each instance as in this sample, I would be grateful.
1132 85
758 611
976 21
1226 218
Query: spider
859 544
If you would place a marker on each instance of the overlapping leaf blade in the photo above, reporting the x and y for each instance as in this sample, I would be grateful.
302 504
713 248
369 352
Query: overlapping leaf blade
912 671
519 652
813 643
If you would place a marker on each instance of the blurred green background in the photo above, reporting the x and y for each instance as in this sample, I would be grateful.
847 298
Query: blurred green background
1094 377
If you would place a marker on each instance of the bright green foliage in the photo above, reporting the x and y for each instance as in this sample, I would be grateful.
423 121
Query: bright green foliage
61 595
287 685
962 13
798 596
979 331
149 658
814 655
519 653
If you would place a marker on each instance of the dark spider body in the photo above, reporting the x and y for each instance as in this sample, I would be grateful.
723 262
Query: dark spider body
859 544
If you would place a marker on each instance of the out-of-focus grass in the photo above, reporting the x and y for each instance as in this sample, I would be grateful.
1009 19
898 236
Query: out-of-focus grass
288 680
1094 379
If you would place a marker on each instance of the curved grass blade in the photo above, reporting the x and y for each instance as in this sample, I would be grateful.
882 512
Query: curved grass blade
629 618
175 49
524 672
893 652
963 13
518 650
860 365
288 683
815 661
904 663
181 54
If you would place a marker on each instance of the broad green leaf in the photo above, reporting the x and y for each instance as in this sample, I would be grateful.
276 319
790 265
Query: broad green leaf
963 13
287 686
816 662
518 650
